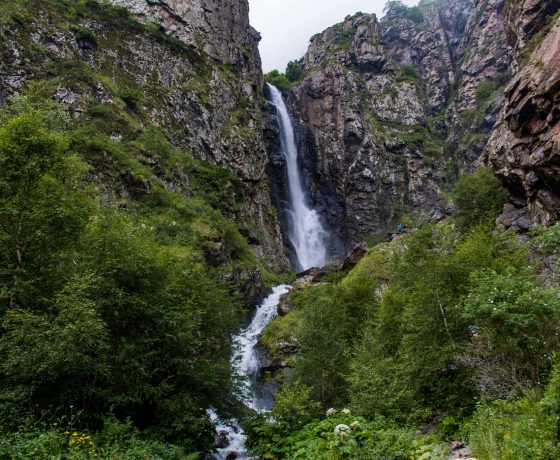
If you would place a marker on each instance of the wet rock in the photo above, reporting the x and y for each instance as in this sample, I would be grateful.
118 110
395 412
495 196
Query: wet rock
221 440
253 289
352 259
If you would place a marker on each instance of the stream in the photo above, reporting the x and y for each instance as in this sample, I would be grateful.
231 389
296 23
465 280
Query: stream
308 239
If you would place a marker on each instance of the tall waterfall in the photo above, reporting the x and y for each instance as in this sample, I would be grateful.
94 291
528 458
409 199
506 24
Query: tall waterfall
306 234
308 238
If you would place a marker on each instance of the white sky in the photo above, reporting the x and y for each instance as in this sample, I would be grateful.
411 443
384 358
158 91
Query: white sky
287 25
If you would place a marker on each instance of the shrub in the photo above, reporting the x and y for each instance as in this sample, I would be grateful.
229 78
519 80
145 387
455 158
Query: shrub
279 80
294 71
513 430
515 321
341 435
477 197
410 74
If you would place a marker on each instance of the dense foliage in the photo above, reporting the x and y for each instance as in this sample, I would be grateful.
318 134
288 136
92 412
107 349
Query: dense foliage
449 325
286 81
398 8
100 313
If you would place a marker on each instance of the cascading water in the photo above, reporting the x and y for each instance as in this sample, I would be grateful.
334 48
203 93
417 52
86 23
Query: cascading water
305 231
246 360
308 239
246 363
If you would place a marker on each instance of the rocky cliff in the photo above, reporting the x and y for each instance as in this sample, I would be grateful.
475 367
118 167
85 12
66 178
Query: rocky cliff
191 68
524 150
391 111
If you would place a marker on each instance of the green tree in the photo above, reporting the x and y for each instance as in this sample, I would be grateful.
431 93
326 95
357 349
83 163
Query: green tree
516 321
279 80
41 206
405 364
294 71
477 197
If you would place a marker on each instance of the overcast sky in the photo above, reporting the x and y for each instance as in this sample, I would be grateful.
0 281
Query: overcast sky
287 25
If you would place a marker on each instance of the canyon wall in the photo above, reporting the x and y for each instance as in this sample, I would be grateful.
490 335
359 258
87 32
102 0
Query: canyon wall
390 112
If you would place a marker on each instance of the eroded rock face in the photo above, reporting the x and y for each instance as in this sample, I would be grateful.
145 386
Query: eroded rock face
219 28
524 150
385 109
525 18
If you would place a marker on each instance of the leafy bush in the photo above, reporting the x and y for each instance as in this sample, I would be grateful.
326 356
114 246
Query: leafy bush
116 441
331 317
84 34
279 80
483 92
405 364
549 239
398 8
341 435
477 197
410 74
513 430
294 71
515 320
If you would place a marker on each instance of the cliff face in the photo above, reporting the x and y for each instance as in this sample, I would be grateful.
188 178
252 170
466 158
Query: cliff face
524 150
220 29
390 111
191 67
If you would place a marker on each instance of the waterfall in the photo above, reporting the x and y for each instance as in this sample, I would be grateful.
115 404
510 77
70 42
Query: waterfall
305 232
246 363
246 360
308 238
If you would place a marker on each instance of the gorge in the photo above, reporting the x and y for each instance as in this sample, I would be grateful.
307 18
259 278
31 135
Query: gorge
174 226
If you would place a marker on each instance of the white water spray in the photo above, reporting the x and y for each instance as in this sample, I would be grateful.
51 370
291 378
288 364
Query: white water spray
305 231
245 359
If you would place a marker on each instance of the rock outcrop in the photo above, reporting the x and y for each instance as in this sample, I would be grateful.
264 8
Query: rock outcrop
219 29
524 150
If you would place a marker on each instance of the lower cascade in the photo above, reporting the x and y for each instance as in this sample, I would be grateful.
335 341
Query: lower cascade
246 363
308 239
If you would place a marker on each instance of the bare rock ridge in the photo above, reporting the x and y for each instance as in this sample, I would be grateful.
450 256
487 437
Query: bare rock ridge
388 112
220 29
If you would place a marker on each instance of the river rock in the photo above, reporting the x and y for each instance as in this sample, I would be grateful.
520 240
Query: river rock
221 440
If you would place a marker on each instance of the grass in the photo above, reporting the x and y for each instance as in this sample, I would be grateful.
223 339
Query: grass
538 38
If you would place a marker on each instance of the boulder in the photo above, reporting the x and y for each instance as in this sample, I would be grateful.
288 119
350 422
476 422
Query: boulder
354 256
308 277
285 305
